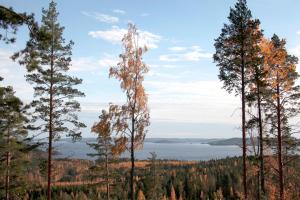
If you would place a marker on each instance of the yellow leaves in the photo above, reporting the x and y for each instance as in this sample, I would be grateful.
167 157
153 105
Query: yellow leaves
130 119
120 145
103 127
276 64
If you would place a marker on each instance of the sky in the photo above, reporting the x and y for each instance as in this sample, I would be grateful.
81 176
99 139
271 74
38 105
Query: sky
186 99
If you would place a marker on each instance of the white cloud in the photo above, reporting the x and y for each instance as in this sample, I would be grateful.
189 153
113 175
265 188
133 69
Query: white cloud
193 101
119 11
176 48
91 64
145 14
102 17
163 66
195 53
13 75
162 75
298 32
107 62
115 35
295 51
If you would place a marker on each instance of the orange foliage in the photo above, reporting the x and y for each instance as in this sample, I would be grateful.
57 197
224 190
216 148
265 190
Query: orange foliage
133 117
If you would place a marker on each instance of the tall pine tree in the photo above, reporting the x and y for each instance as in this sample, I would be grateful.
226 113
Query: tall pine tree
47 59
13 147
235 48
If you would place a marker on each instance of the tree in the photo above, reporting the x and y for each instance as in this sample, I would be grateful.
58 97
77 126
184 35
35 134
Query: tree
154 191
13 134
11 20
235 48
47 59
141 195
133 117
172 193
255 98
283 96
104 145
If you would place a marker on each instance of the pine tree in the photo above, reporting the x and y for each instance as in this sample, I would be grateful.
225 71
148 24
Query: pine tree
47 59
10 21
154 186
283 98
104 145
235 48
13 149
254 97
133 117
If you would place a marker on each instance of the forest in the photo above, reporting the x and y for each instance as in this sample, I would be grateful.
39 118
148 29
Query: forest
259 70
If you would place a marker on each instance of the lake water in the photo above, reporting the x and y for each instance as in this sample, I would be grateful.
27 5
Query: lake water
177 151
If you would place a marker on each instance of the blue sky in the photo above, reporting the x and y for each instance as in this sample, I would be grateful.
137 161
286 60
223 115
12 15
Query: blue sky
185 96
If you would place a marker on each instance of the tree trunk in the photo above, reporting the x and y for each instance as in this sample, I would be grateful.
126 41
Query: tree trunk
50 114
258 185
244 127
107 177
7 177
279 145
261 147
132 160
50 139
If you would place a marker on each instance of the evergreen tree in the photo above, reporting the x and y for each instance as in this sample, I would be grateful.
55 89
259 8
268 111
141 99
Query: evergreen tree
255 97
13 148
154 191
235 48
47 59
104 145
133 117
10 21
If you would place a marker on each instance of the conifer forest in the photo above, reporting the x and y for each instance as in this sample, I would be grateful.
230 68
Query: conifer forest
132 123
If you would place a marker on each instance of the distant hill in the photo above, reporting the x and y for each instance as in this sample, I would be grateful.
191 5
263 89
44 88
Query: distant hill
230 141
180 140
210 141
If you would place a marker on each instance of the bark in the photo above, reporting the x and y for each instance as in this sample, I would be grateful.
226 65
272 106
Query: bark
243 126
279 145
50 119
107 176
7 176
261 148
132 160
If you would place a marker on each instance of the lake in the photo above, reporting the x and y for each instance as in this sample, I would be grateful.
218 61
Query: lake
176 151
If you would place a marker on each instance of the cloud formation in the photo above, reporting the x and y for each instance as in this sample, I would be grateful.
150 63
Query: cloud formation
119 11
102 17
176 48
194 53
115 35
192 101
92 64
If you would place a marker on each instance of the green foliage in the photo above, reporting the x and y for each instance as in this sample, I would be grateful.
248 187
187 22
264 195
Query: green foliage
153 180
237 47
47 59
14 145
10 21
